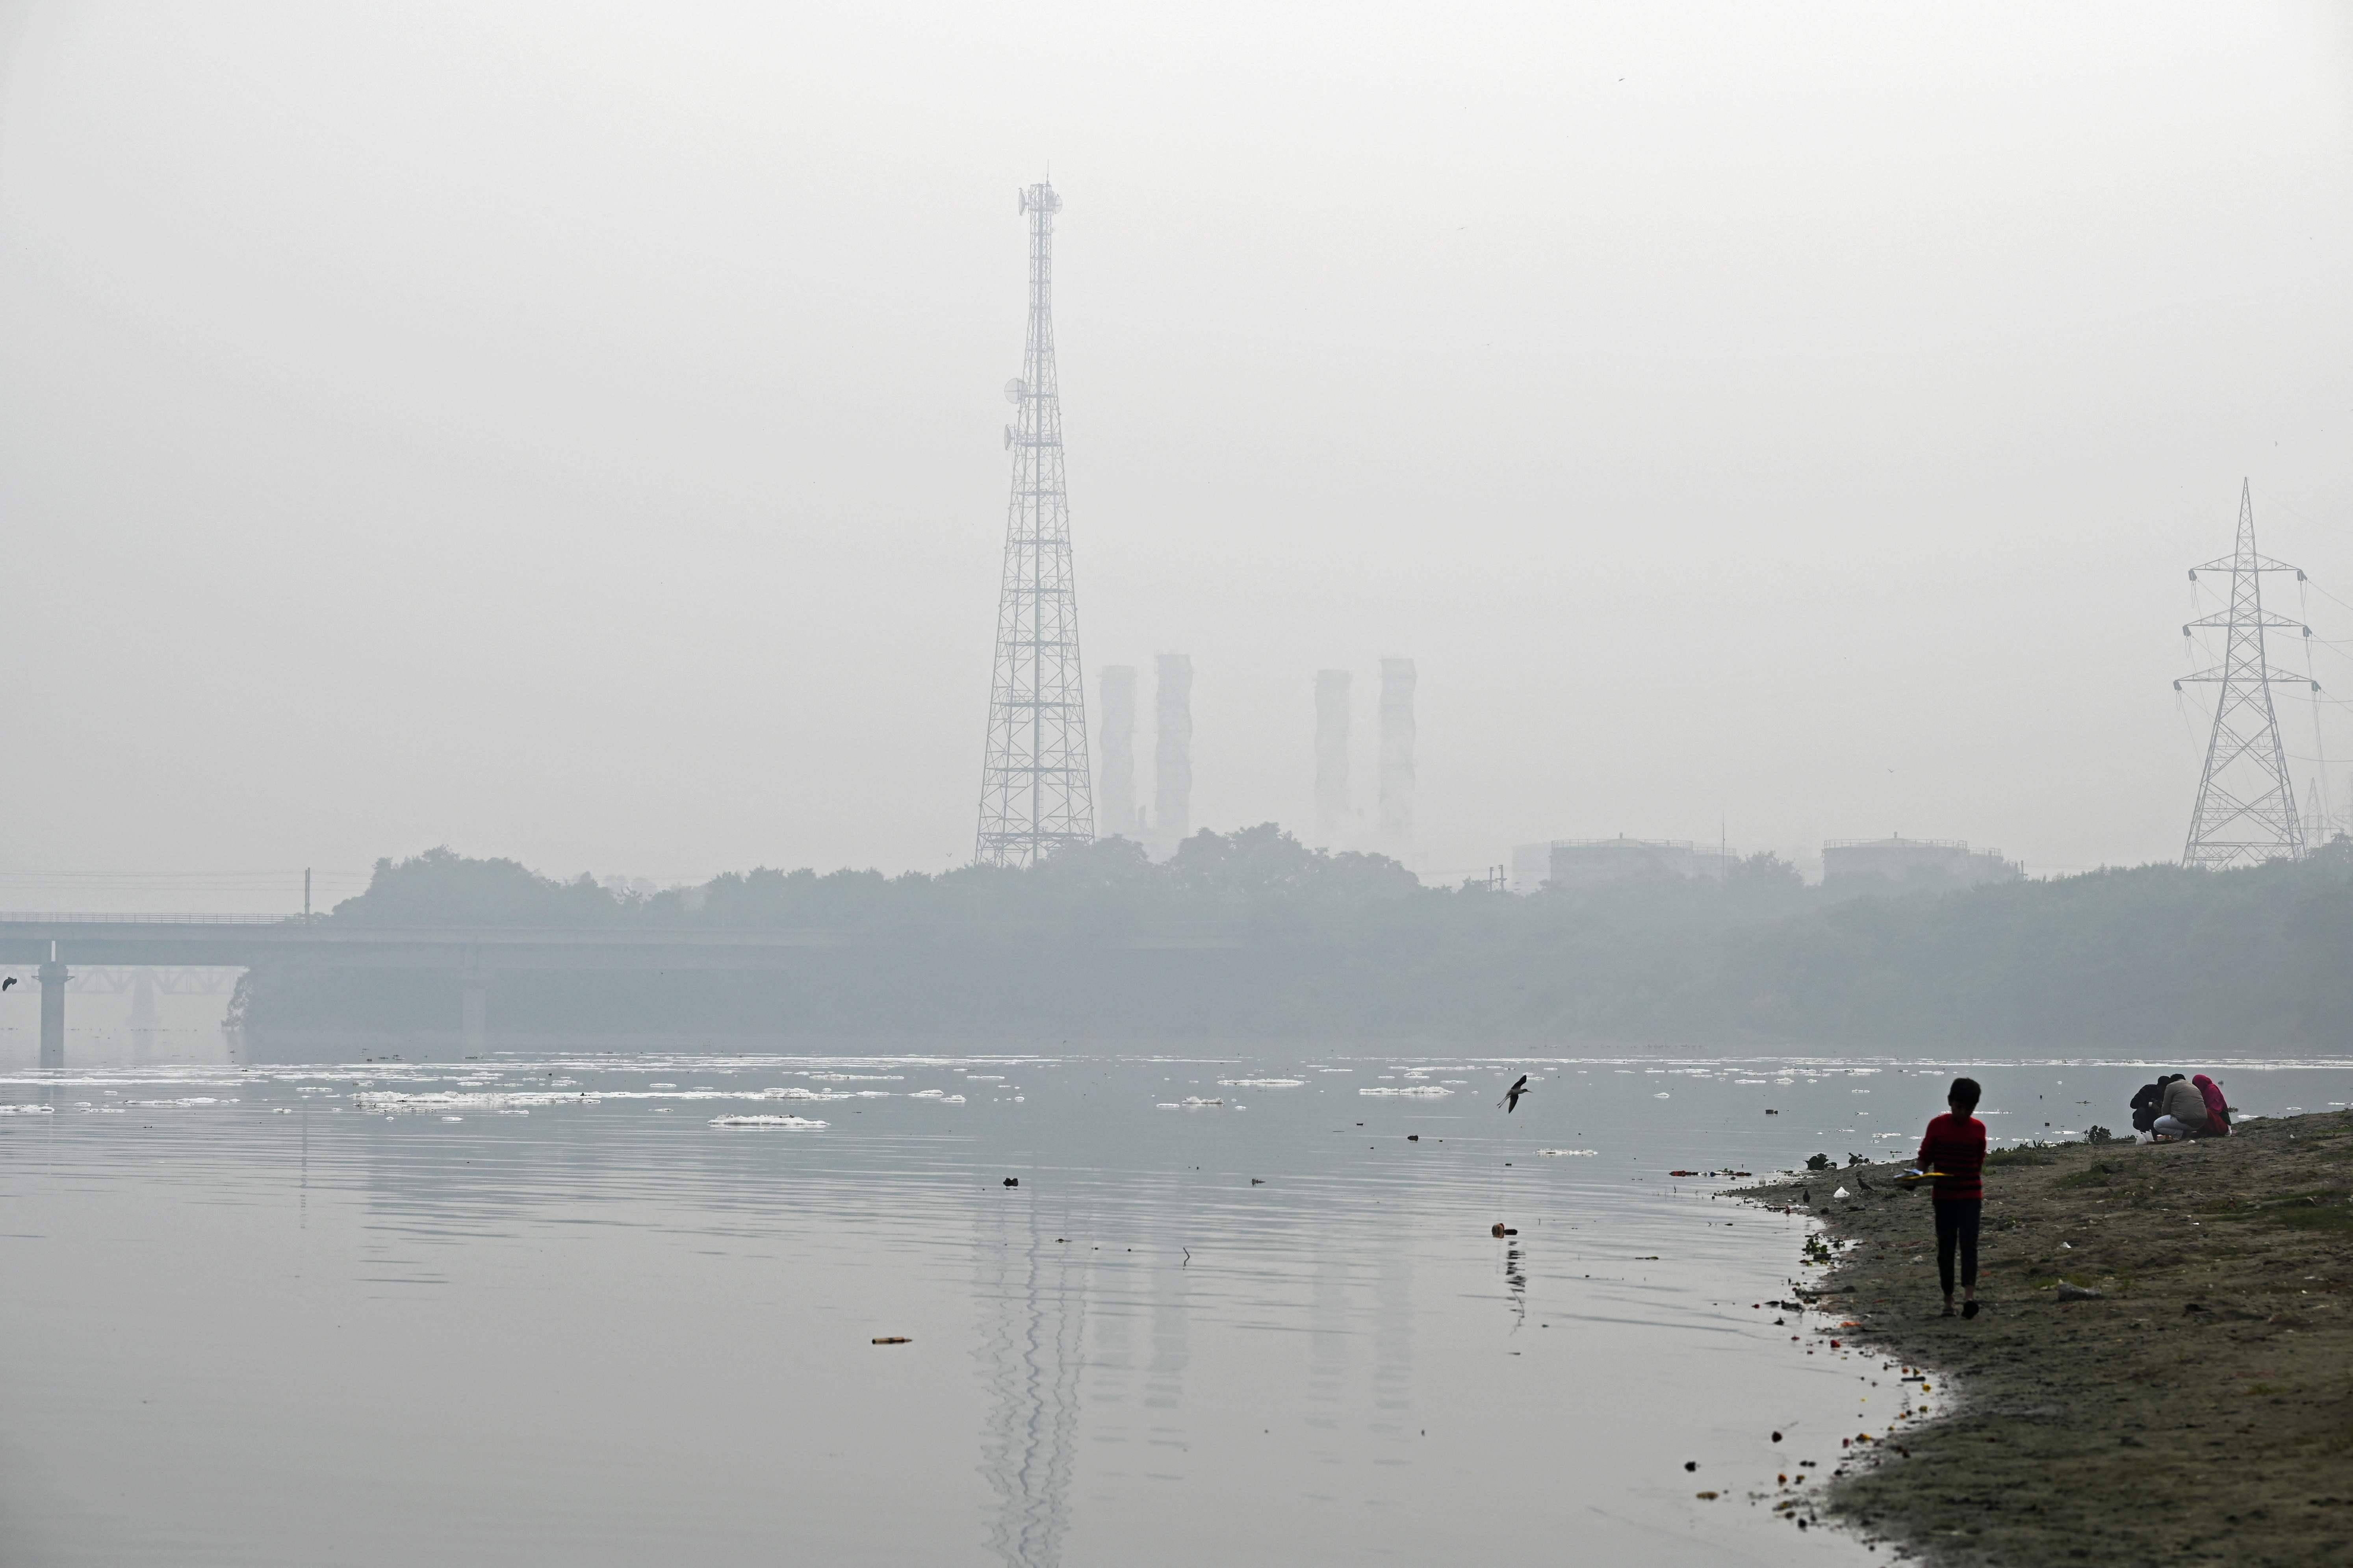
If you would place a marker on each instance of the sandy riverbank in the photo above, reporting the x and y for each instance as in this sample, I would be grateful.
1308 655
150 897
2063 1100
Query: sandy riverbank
2200 1410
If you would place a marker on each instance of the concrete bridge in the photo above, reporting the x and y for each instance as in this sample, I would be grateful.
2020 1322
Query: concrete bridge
50 944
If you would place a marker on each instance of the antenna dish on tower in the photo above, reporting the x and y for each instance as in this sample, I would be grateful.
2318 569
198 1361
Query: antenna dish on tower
1016 390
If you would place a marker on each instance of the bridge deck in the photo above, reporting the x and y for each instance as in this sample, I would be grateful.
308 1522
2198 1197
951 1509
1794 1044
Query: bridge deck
242 943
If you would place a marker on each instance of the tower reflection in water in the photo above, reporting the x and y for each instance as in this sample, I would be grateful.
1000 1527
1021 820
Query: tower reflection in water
1033 1294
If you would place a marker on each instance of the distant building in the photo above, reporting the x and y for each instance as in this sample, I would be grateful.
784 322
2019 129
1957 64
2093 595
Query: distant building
1857 864
1588 862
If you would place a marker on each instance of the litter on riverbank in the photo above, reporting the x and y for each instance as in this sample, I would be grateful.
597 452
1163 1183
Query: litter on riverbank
2163 1369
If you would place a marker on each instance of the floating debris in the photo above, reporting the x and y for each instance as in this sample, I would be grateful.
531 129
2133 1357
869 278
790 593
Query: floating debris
791 1121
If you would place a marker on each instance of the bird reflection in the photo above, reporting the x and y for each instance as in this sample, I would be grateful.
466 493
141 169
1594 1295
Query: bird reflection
1035 1291
1515 1281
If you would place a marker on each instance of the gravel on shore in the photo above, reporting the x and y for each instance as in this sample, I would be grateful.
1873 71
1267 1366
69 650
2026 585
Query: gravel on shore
2198 1408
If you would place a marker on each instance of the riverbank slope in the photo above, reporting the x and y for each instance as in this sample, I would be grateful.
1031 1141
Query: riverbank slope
2200 1409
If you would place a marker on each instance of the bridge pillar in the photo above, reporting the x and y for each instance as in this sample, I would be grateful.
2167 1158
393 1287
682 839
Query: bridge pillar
475 1012
53 1013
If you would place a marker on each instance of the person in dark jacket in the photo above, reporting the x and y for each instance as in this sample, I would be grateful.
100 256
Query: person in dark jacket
2148 1102
1955 1149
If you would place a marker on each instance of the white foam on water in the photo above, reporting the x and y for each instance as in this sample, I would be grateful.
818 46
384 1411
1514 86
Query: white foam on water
789 1121
184 1100
1190 1102
1557 1153
26 1111
1261 1083
1414 1091
492 1099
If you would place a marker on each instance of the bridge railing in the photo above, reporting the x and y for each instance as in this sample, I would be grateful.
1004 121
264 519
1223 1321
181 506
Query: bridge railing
54 917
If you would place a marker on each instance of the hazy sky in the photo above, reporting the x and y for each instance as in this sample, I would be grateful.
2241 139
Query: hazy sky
572 431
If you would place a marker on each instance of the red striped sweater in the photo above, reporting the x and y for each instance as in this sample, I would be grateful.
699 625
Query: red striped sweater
1955 1145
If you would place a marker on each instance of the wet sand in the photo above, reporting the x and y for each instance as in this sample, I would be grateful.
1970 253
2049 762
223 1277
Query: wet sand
2200 1410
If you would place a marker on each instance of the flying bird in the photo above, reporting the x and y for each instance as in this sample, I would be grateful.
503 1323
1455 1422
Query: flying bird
1511 1100
7 983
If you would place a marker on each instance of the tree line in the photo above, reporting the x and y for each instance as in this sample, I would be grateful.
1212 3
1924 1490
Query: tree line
1316 945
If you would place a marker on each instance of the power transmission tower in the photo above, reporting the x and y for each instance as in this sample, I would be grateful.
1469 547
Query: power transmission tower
2246 808
1035 796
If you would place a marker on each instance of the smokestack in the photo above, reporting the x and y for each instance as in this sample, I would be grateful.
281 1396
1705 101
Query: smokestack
1172 752
1396 757
1330 755
1117 804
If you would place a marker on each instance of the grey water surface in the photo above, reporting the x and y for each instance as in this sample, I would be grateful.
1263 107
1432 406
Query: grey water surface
552 1310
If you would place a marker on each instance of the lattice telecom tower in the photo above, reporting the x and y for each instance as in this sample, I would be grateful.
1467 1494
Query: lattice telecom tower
1035 796
2246 808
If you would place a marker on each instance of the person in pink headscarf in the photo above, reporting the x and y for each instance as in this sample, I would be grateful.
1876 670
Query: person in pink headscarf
2218 1113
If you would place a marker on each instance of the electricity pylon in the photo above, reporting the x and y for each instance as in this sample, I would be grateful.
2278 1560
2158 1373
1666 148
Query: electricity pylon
2246 806
1035 794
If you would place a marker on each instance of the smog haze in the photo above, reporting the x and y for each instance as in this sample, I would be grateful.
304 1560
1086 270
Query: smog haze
573 433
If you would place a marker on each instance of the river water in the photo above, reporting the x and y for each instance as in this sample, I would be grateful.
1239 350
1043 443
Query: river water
617 1308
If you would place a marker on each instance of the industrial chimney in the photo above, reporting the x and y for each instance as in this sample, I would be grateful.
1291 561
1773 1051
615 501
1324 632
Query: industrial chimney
1331 756
1117 797
1172 753
1396 758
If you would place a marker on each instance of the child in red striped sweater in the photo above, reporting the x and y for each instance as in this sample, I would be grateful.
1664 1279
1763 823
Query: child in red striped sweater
1955 1148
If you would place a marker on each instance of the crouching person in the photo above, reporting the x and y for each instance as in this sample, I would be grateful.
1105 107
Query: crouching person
2182 1113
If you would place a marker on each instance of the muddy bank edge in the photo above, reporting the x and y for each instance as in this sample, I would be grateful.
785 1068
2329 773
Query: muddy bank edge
2197 1408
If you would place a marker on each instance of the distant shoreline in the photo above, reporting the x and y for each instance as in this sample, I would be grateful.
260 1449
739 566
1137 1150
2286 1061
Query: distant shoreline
1251 936
2197 1405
